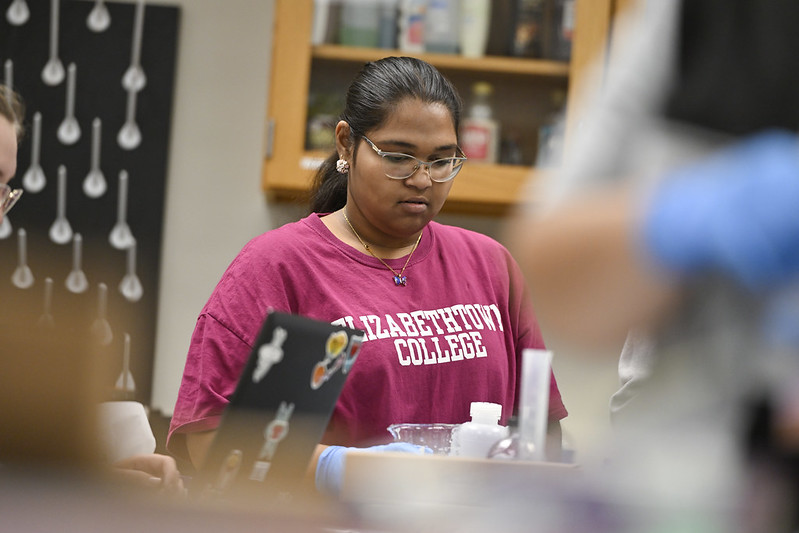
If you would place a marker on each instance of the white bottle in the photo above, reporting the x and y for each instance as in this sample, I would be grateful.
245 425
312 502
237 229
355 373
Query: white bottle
479 130
476 438
359 23
411 25
475 22
441 26
321 11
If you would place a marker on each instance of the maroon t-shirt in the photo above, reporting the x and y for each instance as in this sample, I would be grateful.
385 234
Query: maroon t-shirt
453 335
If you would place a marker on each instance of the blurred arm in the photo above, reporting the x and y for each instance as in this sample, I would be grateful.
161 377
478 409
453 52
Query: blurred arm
589 279
151 470
198 445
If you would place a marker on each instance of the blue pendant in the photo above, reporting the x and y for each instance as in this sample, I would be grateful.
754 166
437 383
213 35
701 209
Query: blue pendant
400 280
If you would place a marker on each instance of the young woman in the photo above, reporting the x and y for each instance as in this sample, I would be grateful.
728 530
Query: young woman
445 310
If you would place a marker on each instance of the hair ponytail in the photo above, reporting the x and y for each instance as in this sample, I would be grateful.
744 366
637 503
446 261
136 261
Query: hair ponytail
329 187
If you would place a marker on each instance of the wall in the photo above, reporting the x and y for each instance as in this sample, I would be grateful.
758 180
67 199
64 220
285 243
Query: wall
214 205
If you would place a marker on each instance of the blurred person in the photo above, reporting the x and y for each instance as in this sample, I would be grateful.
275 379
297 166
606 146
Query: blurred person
52 366
11 130
673 224
445 310
152 470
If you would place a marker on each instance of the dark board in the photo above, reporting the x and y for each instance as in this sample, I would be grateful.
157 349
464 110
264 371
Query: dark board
101 59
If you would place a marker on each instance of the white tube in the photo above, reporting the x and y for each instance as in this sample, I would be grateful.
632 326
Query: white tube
534 404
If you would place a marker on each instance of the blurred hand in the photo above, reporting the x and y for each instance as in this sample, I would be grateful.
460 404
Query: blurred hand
154 471
330 467
736 212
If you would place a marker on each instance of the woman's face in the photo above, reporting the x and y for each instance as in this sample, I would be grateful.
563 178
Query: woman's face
8 150
8 153
400 208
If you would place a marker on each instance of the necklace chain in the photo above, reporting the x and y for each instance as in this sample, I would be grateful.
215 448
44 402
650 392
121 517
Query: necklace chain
399 278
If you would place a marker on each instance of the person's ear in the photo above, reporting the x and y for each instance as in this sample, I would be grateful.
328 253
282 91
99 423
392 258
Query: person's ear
343 141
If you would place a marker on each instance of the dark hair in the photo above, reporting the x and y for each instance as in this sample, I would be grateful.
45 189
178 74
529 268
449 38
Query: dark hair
374 93
12 108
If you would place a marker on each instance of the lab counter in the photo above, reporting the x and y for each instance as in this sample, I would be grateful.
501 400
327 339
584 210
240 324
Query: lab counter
408 492
440 479
381 493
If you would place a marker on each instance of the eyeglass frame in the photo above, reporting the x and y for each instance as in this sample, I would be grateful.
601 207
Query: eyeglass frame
8 198
420 163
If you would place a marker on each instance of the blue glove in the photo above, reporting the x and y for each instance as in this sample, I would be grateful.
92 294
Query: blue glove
330 467
736 212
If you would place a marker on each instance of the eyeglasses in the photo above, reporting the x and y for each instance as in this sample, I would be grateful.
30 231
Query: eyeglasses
400 166
8 197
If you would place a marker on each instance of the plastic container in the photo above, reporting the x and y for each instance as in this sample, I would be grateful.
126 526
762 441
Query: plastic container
321 13
475 20
441 27
561 31
124 430
551 133
388 24
359 23
478 437
479 130
411 25
527 38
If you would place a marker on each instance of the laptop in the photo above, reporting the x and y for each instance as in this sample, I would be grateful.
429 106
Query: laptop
279 410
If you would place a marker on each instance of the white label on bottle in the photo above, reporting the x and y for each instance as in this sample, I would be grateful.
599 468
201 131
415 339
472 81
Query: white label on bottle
476 141
567 27
411 38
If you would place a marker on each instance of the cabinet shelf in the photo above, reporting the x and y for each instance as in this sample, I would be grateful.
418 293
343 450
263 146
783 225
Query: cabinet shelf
479 188
522 84
496 64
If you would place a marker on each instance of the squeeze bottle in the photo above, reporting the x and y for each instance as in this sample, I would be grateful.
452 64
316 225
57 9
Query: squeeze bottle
475 17
476 438
411 25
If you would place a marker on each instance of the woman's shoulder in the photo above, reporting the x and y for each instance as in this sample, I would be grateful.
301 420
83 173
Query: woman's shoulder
288 235
281 243
277 250
446 235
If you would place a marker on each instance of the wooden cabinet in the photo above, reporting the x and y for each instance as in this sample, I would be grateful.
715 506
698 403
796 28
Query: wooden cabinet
522 88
